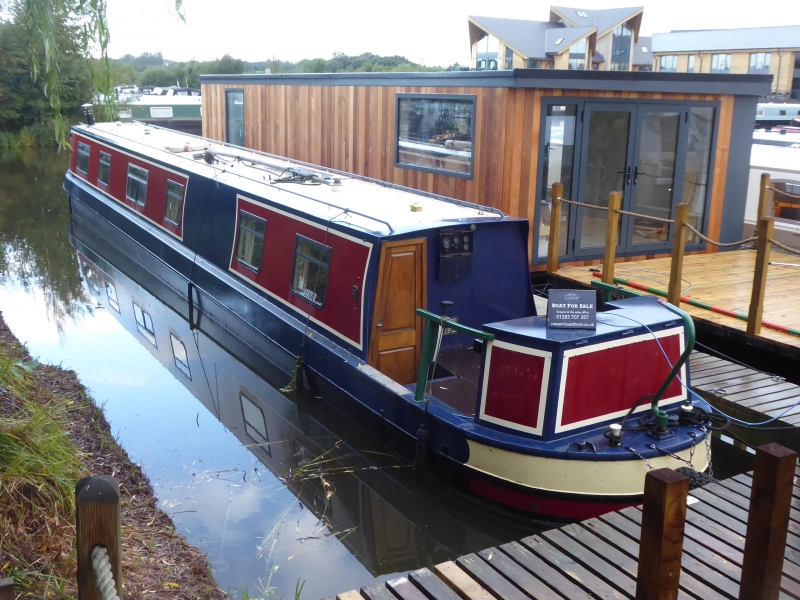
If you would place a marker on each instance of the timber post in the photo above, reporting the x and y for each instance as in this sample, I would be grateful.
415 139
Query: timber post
767 523
764 197
766 229
678 247
7 589
661 542
612 226
97 514
555 228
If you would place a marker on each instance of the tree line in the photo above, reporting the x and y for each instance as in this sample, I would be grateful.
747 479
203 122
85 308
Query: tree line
153 69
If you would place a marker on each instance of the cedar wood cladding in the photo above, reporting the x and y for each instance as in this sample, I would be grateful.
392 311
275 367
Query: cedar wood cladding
352 128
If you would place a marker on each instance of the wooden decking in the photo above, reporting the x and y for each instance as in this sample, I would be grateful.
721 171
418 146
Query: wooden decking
598 558
723 279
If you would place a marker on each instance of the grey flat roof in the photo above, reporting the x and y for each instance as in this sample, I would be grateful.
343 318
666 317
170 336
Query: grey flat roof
756 38
626 81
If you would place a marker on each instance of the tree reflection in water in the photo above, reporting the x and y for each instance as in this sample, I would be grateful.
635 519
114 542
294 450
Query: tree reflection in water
35 252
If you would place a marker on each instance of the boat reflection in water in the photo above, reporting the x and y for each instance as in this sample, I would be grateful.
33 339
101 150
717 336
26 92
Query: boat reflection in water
388 517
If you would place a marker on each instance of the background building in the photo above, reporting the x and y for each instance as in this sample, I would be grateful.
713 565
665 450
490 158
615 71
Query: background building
573 38
762 50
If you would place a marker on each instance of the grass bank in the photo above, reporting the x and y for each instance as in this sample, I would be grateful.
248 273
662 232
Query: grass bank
52 434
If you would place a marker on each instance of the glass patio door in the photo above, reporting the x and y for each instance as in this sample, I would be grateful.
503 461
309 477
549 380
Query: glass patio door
651 192
606 166
634 150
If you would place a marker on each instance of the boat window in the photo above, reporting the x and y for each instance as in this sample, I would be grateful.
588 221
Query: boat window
82 160
111 292
137 185
255 425
435 133
311 265
250 247
104 169
172 212
91 277
181 358
144 323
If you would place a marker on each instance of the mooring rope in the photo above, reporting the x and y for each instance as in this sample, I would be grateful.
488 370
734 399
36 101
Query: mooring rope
784 246
797 196
101 566
720 244
620 211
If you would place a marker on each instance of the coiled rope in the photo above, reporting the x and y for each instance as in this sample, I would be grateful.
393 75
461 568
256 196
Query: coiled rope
101 566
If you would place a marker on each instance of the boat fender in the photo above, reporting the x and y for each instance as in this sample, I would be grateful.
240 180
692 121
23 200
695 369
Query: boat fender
421 451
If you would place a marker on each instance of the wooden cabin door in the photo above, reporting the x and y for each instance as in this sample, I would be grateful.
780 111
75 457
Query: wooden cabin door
396 337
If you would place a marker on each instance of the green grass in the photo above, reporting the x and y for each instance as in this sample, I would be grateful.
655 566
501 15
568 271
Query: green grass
39 466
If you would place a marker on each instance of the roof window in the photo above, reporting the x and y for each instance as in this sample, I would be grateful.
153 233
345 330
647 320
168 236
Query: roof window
559 40
581 13
644 48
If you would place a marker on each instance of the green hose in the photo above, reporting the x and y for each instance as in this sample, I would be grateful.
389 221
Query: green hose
661 415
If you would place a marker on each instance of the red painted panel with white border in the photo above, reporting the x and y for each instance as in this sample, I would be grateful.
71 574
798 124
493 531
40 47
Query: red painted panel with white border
603 381
342 312
515 387
157 177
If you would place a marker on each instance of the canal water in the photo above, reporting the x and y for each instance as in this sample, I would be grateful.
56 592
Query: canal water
278 490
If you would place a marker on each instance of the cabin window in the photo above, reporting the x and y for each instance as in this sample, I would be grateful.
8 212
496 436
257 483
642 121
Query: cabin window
181 358
82 160
311 265
668 64
137 185
720 63
234 117
435 133
111 292
255 425
172 212
250 246
144 323
104 169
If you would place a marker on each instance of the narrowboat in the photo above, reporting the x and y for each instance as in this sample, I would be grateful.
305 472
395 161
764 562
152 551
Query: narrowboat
394 519
410 313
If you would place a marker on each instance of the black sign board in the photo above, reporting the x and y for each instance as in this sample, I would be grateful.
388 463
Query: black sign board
572 309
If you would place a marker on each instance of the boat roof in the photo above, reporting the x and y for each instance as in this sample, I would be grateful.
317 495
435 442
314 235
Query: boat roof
775 158
381 208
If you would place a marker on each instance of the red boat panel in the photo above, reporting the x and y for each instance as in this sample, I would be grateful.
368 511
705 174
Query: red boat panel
546 505
606 381
157 178
342 310
514 390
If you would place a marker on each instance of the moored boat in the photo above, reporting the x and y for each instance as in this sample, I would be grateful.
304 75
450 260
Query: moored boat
410 313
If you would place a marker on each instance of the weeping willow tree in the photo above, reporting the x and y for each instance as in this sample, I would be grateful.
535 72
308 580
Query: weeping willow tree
42 20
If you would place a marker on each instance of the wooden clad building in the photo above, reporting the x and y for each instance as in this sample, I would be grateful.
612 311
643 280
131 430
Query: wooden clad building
502 138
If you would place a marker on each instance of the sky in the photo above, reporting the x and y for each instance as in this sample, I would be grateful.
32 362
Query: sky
432 32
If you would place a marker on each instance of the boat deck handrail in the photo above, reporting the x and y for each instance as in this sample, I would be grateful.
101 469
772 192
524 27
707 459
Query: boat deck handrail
462 203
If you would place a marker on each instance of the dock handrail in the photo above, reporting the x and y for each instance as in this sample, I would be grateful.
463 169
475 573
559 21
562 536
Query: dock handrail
430 343
762 238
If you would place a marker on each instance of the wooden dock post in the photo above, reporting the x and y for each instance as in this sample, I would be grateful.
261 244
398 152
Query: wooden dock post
767 523
555 228
678 247
661 545
97 516
766 229
764 197
612 225
7 589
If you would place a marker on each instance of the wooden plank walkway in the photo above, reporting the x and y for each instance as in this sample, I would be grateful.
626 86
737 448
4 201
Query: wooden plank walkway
598 558
723 279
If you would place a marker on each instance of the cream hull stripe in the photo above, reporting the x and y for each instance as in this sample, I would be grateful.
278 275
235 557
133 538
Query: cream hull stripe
579 477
